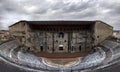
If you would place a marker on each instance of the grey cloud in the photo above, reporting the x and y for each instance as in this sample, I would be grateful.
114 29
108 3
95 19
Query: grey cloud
116 24
74 11
113 7
64 10
14 10
8 6
41 5
72 7
116 9
79 7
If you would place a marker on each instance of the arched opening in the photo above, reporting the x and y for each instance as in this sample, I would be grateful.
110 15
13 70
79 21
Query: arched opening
65 41
56 41
97 36
61 34
28 49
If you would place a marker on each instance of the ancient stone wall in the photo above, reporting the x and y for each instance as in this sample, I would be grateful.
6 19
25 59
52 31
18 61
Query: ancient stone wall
102 31
53 40
58 42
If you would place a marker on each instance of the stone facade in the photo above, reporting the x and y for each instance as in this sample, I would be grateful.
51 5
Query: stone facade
60 36
60 41
101 32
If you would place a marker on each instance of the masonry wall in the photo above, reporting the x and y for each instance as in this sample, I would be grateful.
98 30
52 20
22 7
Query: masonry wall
81 40
101 32
59 42
18 31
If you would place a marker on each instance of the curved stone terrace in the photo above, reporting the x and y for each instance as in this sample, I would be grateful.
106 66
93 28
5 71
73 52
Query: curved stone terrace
106 55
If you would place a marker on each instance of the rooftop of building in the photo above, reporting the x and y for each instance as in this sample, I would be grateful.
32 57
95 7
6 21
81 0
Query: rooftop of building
61 22
3 31
116 31
56 22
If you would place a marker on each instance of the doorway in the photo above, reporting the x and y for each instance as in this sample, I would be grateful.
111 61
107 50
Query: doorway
80 48
41 48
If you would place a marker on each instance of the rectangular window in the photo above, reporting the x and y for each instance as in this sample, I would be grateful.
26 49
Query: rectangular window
60 48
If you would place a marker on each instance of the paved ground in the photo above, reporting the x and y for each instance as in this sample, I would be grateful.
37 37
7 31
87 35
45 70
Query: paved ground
112 68
61 62
8 68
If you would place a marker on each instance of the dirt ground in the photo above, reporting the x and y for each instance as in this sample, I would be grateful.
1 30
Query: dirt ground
60 55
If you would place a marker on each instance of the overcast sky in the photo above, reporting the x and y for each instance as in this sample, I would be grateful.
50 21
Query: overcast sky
12 11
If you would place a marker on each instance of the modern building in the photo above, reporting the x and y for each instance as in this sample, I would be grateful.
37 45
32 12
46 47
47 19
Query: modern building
116 34
60 36
4 35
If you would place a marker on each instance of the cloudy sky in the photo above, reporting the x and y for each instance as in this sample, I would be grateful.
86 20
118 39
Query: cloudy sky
12 11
